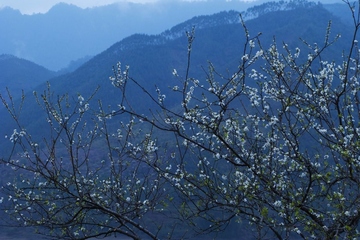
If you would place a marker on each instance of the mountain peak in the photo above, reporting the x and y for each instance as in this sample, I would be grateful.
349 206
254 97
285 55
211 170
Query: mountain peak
200 22
209 21
63 7
259 10
8 11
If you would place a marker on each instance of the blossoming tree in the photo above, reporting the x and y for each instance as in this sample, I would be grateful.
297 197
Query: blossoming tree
77 184
282 153
275 144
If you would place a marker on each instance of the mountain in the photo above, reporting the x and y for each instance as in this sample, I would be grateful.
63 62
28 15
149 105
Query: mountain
218 38
67 32
73 65
20 74
342 11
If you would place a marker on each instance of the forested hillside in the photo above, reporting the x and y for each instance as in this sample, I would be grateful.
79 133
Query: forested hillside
21 75
78 32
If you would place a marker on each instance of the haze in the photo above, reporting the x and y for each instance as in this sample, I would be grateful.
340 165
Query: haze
42 6
53 40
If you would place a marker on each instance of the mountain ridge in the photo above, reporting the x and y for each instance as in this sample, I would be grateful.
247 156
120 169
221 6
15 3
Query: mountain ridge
209 21
175 33
96 28
21 75
140 46
20 46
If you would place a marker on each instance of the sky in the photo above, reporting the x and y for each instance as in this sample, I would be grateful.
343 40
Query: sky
42 6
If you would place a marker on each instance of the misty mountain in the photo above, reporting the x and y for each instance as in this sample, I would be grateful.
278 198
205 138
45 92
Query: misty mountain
73 65
341 11
219 38
20 74
66 32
